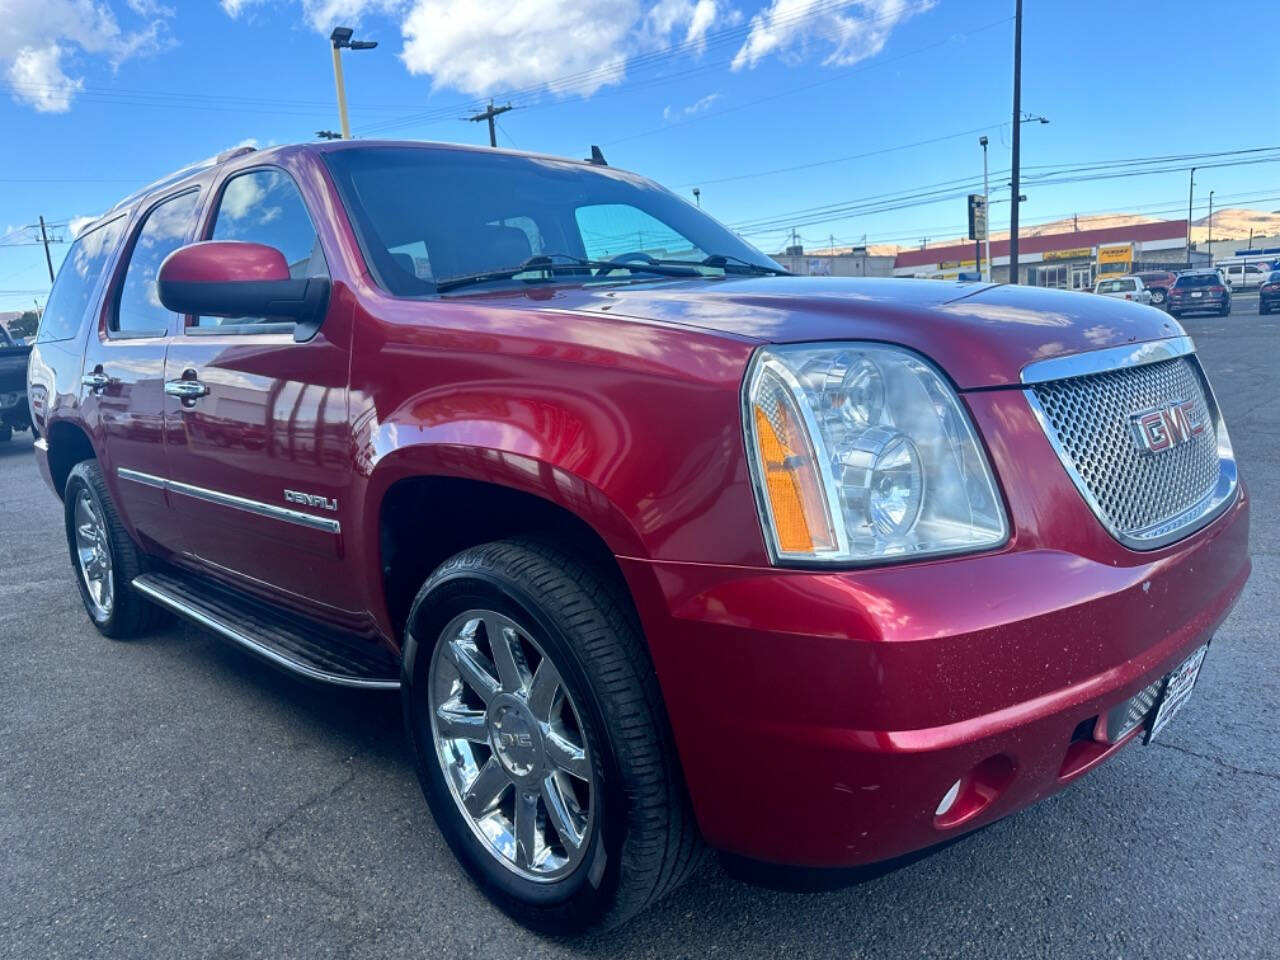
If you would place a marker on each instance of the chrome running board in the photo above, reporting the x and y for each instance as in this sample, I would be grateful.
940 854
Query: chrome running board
313 651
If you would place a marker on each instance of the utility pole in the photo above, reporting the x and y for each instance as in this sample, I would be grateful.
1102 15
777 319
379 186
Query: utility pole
1017 141
986 205
341 37
491 114
1191 193
1210 240
47 259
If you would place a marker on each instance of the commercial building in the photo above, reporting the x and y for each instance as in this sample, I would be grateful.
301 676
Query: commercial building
837 262
1071 260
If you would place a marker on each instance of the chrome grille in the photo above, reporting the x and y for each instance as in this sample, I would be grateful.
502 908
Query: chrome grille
1136 495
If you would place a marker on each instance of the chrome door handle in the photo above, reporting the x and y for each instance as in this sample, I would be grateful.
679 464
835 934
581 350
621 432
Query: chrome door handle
186 389
96 381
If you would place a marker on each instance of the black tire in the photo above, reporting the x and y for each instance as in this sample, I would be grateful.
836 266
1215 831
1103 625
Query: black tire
644 841
6 433
1175 314
1264 308
130 614
1225 311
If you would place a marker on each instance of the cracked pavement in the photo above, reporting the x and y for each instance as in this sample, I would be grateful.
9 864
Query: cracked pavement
172 797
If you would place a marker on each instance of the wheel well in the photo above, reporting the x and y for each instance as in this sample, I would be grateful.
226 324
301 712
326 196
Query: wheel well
426 520
68 445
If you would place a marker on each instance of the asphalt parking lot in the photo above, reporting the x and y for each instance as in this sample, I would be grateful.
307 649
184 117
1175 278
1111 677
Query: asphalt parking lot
171 797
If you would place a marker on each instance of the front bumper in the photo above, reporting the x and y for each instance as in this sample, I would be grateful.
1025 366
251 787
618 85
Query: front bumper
821 717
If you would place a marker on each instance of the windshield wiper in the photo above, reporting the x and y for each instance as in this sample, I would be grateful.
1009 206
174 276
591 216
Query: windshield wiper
552 263
725 261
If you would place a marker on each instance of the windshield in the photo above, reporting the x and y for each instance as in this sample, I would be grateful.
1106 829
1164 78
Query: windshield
425 216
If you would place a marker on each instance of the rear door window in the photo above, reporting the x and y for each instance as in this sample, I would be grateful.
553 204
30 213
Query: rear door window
77 279
139 311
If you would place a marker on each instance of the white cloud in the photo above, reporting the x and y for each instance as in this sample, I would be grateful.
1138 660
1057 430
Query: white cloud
77 224
487 46
699 105
38 79
39 37
849 32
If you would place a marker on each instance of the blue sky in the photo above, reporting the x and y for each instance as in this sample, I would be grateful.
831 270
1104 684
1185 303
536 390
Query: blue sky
97 98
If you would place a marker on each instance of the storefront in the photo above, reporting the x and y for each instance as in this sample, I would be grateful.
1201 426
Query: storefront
1068 261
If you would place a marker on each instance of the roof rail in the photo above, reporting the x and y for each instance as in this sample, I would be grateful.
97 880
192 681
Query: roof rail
182 173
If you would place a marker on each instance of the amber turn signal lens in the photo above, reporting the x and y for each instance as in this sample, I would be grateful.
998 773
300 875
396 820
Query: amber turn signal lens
791 483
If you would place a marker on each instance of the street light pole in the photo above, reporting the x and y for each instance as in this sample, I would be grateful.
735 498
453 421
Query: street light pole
1017 141
341 37
1210 240
1191 193
986 206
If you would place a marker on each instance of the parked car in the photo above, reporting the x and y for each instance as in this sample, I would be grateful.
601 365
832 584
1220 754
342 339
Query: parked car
1123 288
1245 276
1158 282
15 414
1199 290
1269 293
662 547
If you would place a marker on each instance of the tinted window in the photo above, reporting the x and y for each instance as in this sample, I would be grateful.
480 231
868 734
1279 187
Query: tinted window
166 228
430 214
1199 280
1275 277
77 278
264 206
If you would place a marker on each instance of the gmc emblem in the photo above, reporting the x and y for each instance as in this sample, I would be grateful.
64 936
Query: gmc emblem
1166 427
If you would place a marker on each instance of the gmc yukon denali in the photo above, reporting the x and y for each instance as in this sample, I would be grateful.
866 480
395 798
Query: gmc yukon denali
665 549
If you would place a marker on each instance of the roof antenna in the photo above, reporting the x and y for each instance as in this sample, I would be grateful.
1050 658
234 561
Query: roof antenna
597 157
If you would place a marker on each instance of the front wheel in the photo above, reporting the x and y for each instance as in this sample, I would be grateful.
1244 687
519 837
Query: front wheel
540 738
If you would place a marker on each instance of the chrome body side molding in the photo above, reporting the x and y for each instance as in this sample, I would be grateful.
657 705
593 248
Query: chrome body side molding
326 524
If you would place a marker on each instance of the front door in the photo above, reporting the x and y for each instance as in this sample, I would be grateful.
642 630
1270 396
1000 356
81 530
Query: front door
259 457
123 376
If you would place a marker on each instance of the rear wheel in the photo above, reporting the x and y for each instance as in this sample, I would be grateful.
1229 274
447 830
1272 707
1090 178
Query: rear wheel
1226 310
6 433
104 557
540 739
1157 297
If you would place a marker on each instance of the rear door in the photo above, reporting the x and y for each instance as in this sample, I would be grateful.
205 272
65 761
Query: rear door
123 373
261 463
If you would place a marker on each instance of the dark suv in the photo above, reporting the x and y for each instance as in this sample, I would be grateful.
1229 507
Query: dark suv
661 546
1199 290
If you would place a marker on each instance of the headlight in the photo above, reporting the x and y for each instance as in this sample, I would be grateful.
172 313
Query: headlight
861 451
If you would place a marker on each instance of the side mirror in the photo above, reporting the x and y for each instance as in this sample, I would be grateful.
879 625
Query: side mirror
226 278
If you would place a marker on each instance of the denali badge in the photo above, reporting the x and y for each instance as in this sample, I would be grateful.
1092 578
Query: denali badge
1166 427
310 500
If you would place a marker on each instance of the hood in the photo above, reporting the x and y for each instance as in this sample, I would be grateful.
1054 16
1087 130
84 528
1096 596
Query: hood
982 335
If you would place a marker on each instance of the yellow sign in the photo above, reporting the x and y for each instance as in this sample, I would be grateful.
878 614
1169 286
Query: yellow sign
1121 253
1073 254
956 264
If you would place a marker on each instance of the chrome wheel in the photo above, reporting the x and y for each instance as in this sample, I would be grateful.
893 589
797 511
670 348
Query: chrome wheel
511 745
93 555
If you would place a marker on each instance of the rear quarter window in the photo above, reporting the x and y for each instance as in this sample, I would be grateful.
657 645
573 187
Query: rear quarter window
77 280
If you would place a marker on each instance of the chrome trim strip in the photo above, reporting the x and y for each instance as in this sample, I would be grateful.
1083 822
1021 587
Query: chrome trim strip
137 476
41 444
325 524
148 589
1110 358
1181 524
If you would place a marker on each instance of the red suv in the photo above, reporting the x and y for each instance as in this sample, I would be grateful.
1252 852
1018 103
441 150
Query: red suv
664 548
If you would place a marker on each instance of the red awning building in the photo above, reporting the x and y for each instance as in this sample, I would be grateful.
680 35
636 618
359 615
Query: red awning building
1071 260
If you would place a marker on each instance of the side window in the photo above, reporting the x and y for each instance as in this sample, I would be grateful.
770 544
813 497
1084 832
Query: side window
77 278
264 206
139 309
612 229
